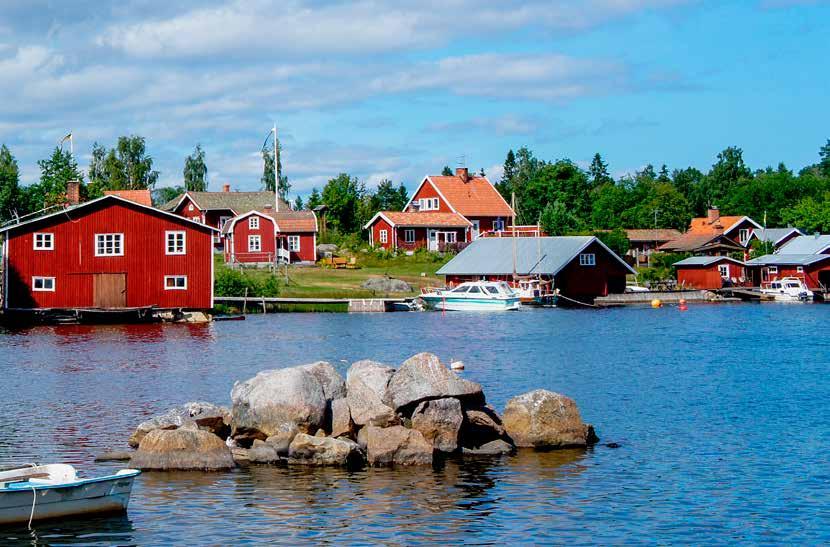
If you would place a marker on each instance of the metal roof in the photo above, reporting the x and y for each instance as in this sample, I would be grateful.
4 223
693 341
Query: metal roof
705 260
534 255
806 245
793 259
774 235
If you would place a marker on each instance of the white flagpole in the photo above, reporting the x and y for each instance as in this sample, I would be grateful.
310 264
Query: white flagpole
276 174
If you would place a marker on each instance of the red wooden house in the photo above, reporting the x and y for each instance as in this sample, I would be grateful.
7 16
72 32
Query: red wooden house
444 210
813 269
710 272
715 235
267 236
108 253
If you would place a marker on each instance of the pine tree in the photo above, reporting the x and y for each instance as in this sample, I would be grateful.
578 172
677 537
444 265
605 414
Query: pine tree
664 176
314 199
598 172
298 203
447 172
824 164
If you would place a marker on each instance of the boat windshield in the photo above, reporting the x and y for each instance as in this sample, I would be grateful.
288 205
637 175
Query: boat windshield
462 288
776 285
793 285
505 288
491 289
475 289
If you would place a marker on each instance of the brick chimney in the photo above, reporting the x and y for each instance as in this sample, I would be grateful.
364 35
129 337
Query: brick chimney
226 187
462 172
712 215
73 192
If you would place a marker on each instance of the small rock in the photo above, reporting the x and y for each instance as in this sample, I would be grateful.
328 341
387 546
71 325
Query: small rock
308 450
186 448
366 383
423 377
397 445
493 448
262 452
207 416
612 445
113 456
326 249
240 456
320 433
281 440
439 421
362 438
544 419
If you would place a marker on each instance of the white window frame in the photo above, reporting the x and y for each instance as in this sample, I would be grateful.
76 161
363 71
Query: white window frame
116 236
409 235
190 207
383 236
43 280
174 234
498 225
587 259
743 235
429 204
258 240
723 270
294 244
44 237
253 223
450 237
799 269
772 270
176 286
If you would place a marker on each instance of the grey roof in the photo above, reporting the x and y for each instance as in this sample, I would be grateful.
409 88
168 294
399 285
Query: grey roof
803 245
774 235
789 259
239 202
704 260
542 255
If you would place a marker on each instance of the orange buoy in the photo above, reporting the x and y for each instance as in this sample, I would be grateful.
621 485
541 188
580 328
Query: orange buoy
682 305
656 303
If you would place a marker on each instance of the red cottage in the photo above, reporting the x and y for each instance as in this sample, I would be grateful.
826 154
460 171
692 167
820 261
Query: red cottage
715 235
108 253
710 272
813 269
267 236
443 210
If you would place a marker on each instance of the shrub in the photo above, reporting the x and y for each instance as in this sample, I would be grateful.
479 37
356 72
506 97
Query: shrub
235 282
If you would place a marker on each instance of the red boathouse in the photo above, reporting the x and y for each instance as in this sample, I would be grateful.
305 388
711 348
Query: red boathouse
710 272
108 253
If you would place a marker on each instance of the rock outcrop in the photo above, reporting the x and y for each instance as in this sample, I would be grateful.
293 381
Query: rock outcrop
543 419
308 450
207 416
275 399
185 448
439 421
366 383
397 445
386 285
423 377
482 425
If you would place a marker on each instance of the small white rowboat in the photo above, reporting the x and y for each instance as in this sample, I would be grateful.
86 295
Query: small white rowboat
55 491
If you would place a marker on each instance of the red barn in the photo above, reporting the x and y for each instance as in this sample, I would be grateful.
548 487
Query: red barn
710 272
264 237
438 211
108 253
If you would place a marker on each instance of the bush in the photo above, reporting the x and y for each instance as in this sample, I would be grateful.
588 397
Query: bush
235 282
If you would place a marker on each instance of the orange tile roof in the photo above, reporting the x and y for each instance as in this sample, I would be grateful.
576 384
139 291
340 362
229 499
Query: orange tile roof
425 219
474 198
704 226
295 221
142 197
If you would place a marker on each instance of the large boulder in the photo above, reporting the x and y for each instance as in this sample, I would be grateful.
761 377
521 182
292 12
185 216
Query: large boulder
397 445
207 416
366 383
544 419
282 438
185 448
308 450
482 425
326 249
386 285
423 377
341 418
275 399
439 421
330 380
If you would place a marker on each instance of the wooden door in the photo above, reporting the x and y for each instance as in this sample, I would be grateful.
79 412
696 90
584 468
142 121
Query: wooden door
110 290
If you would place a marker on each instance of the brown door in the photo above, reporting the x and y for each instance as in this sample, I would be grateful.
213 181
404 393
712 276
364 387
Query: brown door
110 290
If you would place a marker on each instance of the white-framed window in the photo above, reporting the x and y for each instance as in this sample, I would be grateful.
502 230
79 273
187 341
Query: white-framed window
109 244
294 244
176 243
175 282
773 269
498 225
587 259
43 284
253 223
799 269
384 236
723 270
429 204
254 244
409 235
450 237
190 207
44 241
743 235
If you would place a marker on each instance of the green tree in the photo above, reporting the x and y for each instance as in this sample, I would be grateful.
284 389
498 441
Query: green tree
446 171
504 186
760 248
166 193
663 175
195 171
557 220
314 199
810 214
609 203
125 167
9 185
55 172
389 198
298 203
616 240
824 163
342 196
561 182
598 172
688 182
724 176
402 199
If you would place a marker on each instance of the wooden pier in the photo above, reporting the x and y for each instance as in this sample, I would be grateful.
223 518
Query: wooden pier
354 305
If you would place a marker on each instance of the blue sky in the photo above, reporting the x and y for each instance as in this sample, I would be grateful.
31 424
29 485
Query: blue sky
398 89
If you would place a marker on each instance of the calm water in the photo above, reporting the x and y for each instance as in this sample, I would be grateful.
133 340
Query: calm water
721 412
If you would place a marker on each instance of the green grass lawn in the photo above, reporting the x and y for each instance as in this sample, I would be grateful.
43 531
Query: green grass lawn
319 282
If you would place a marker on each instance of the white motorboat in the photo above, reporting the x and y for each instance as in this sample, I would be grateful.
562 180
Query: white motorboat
787 289
473 296
55 491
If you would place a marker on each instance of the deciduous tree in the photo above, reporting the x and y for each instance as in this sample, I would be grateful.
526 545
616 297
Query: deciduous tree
195 171
9 185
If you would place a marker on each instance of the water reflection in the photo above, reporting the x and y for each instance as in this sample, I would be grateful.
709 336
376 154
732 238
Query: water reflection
102 530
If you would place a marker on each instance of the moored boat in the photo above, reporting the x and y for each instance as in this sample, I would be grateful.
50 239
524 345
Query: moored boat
55 491
788 289
473 296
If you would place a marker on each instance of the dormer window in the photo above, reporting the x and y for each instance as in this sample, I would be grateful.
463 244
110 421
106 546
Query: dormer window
253 223
429 204
743 236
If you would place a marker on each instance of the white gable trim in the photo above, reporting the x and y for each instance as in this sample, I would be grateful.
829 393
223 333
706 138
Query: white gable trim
726 231
379 214
232 222
437 191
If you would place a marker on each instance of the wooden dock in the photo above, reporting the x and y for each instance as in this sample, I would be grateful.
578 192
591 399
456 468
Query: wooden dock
636 298
355 305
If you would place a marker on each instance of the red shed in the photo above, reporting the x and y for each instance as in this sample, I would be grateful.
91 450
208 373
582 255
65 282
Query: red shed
262 237
710 272
108 253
